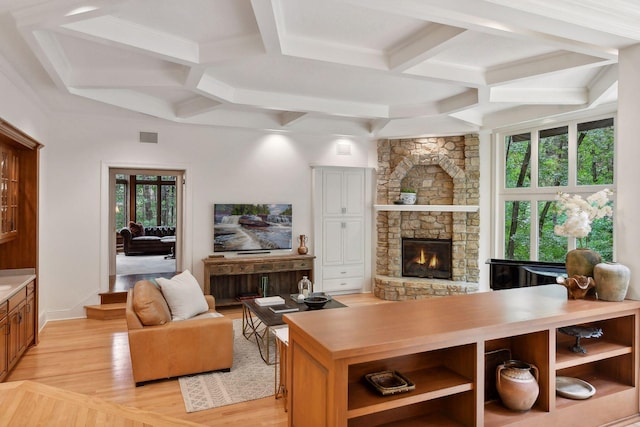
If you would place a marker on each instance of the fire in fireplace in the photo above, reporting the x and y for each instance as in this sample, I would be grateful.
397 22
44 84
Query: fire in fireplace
429 258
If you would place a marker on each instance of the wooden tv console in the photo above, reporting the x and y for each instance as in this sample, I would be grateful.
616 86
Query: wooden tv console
440 345
227 278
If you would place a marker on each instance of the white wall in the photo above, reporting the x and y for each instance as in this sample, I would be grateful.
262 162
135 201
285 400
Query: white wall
222 165
628 172
19 106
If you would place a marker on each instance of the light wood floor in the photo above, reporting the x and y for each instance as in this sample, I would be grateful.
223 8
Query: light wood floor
92 357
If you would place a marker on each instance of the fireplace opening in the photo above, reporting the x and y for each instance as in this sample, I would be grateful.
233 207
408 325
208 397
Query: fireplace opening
427 258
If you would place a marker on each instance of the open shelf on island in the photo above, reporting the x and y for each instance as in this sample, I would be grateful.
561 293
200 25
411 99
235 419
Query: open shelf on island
428 413
496 415
616 340
605 386
431 383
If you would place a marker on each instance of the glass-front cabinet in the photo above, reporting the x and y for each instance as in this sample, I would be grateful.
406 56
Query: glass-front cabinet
9 172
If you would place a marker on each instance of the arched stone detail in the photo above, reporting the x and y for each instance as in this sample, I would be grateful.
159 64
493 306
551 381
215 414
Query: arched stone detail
457 174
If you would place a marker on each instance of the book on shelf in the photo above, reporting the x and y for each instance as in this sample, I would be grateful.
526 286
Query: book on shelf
267 301
246 296
281 308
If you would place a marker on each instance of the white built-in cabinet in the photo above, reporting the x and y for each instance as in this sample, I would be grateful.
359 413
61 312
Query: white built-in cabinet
342 229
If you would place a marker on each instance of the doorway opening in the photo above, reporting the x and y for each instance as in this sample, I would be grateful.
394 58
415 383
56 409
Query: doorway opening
146 221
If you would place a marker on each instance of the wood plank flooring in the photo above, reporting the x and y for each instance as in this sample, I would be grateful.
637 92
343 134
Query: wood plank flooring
92 357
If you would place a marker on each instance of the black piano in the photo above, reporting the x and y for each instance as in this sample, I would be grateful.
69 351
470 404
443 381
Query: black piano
507 274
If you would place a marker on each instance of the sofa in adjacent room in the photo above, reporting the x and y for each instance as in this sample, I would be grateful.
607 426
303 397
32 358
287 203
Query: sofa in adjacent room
188 338
139 240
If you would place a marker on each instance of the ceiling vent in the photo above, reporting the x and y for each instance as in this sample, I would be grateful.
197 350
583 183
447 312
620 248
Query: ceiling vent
149 137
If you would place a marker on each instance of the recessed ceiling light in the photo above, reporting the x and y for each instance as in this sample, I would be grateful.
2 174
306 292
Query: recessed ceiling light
82 9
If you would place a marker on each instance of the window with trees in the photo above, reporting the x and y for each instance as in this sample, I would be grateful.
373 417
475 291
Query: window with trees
154 200
147 199
536 164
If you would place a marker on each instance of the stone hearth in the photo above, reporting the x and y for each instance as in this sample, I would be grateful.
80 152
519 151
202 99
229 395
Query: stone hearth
445 172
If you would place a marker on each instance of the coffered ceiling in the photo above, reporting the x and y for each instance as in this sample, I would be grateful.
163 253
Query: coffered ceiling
377 68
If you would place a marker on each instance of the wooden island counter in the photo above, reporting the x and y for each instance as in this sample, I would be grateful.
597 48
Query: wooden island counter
440 345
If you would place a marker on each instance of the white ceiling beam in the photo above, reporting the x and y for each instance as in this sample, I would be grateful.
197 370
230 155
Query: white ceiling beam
449 105
413 110
448 73
333 52
124 33
557 96
462 101
524 114
51 55
293 102
472 117
603 85
211 87
541 65
195 107
488 19
268 14
289 118
130 100
424 45
377 125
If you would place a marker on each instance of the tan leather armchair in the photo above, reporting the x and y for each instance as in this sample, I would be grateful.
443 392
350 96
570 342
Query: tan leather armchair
177 348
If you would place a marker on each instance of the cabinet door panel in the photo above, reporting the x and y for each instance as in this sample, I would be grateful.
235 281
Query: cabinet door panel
13 339
353 237
332 241
3 348
332 202
354 193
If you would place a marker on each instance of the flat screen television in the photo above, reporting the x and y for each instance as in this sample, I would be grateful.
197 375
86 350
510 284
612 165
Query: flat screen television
251 227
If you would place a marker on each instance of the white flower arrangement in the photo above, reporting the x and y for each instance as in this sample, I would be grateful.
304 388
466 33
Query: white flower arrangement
580 213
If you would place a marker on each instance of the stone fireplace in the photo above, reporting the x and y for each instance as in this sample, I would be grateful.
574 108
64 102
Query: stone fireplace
444 171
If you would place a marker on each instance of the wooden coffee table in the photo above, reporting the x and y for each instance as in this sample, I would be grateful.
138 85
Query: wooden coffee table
258 322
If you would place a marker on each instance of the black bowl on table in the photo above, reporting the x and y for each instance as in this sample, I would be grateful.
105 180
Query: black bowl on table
316 302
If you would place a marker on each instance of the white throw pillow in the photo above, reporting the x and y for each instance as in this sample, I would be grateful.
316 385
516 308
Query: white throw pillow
183 295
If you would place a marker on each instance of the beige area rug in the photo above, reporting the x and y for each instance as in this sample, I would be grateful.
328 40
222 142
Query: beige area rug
144 264
250 378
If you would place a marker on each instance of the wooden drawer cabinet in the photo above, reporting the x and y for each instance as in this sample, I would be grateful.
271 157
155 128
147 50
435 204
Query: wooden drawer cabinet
228 278
346 284
4 332
343 271
20 333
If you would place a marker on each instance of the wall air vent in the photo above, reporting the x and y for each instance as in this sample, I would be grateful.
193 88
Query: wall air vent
149 137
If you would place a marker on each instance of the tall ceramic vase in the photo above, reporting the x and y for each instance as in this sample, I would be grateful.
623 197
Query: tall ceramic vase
581 261
517 384
303 249
612 281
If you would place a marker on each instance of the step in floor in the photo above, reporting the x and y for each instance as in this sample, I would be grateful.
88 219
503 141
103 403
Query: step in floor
106 311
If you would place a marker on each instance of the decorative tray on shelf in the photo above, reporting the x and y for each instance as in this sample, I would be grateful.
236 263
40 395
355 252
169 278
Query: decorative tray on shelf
574 388
389 382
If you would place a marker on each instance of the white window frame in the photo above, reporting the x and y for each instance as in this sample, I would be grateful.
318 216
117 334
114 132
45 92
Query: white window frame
534 193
